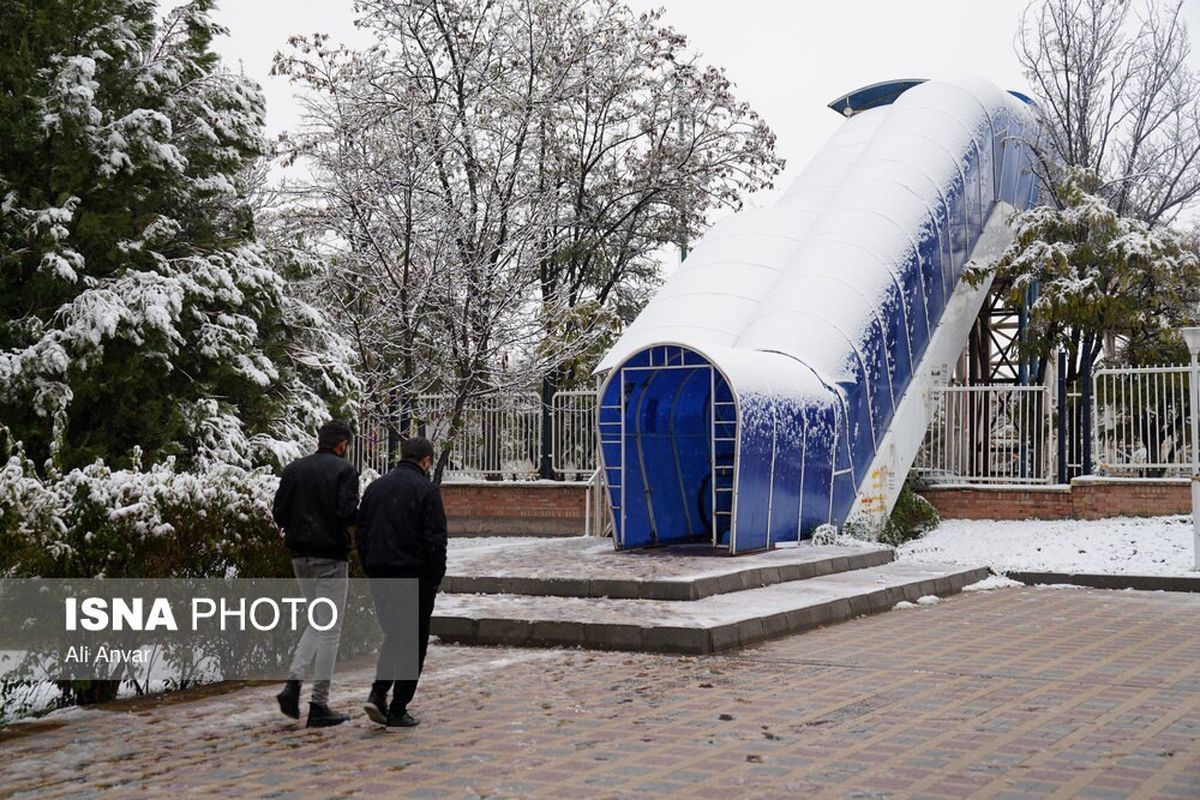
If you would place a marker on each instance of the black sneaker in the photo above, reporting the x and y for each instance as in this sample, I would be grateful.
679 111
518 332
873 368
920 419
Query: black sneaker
402 719
323 717
376 709
289 699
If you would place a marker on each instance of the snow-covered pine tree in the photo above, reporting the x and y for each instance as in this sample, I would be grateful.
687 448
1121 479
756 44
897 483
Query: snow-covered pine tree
136 307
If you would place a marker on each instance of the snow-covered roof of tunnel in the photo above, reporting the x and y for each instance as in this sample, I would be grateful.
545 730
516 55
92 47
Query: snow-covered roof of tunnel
847 224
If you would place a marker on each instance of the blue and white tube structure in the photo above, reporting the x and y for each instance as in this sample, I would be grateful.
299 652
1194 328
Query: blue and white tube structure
778 373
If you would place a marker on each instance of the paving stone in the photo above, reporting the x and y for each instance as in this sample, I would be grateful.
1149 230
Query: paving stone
613 636
452 628
488 584
1023 692
776 625
730 583
504 631
675 639
558 632
860 604
795 572
674 589
608 587
725 637
802 619
750 631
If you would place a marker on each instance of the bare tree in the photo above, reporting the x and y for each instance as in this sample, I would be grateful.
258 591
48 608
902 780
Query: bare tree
490 181
359 212
1118 98
647 141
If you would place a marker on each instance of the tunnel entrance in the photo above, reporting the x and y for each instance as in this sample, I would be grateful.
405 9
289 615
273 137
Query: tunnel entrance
671 426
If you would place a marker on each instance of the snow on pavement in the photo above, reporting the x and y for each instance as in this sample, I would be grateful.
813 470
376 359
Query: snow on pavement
1122 545
477 542
992 582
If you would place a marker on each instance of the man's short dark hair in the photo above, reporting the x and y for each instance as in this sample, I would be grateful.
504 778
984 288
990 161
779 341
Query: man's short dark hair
416 448
333 433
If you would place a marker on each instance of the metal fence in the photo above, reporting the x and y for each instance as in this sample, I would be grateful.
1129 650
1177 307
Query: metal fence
497 436
573 441
372 447
989 434
1141 422
978 434
1138 428
1076 428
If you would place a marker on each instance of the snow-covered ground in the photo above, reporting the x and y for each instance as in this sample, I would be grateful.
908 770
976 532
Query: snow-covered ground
1123 545
475 542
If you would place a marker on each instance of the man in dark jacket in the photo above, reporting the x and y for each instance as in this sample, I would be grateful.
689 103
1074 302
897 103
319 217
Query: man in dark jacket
402 534
316 504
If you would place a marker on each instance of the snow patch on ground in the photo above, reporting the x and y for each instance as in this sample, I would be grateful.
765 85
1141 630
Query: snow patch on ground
828 535
926 600
992 582
1122 545
477 542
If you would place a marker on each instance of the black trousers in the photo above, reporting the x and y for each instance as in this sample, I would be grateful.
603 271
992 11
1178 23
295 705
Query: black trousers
391 622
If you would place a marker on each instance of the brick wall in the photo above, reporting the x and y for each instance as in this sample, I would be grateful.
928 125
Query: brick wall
1085 498
558 509
515 509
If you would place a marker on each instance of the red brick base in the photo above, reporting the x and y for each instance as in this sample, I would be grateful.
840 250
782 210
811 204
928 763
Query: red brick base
558 509
515 509
1085 498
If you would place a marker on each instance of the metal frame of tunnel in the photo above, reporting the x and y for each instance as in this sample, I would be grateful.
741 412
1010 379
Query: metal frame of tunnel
624 450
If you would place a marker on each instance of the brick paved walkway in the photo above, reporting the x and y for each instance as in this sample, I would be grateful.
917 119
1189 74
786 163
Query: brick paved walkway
1015 693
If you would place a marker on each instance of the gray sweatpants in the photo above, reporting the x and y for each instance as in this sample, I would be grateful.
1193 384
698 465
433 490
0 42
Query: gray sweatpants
319 577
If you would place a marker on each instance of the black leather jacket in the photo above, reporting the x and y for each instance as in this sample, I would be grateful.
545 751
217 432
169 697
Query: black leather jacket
316 504
402 525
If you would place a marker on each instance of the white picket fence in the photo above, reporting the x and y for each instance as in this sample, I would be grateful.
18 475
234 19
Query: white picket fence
979 434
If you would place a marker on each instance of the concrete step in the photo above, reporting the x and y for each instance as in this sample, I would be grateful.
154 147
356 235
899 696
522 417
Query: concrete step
718 622
589 567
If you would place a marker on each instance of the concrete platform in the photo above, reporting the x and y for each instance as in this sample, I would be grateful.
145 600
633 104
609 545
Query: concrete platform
590 568
711 624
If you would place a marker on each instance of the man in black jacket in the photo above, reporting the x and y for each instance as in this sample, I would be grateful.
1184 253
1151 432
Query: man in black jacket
402 534
316 504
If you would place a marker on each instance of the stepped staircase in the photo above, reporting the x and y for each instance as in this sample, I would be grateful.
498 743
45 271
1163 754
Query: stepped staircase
690 599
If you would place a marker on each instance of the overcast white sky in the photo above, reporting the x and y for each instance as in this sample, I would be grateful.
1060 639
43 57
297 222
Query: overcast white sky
788 58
